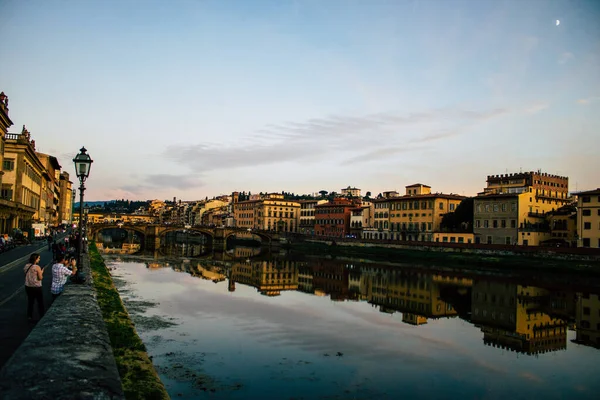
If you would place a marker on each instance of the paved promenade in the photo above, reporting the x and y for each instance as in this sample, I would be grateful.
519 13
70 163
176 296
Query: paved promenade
14 326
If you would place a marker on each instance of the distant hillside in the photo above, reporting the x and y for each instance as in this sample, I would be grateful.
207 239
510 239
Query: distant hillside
94 203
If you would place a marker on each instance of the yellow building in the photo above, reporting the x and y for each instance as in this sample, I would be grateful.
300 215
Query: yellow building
65 207
306 222
350 192
512 317
563 226
513 209
22 179
50 194
418 214
7 205
451 237
116 218
588 218
270 213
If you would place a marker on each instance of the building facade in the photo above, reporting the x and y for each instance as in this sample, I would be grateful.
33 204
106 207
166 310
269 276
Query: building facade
588 219
418 214
22 180
333 218
271 213
306 223
514 208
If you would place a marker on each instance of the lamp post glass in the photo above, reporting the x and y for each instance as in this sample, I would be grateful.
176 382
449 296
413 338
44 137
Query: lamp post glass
83 163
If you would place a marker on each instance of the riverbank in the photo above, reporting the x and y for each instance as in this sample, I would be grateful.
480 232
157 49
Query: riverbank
466 260
138 376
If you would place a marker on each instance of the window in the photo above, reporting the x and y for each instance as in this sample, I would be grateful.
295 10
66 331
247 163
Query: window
586 242
586 199
7 192
452 207
513 206
507 240
489 240
461 240
586 213
503 207
486 223
487 208
587 225
478 208
495 207
8 164
495 223
513 223
477 223
503 223
441 206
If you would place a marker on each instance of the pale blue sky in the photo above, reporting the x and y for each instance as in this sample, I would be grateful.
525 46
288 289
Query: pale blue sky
200 98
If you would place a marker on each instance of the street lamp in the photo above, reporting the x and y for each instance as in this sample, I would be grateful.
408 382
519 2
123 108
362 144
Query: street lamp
83 163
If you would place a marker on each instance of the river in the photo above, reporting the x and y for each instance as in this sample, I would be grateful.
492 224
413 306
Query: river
304 327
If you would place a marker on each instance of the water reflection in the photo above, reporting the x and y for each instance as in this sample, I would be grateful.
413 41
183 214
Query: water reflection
511 315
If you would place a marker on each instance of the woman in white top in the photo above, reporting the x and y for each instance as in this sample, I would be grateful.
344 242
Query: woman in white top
33 285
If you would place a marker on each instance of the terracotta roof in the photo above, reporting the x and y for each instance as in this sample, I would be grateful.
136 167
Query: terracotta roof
418 184
422 196
593 191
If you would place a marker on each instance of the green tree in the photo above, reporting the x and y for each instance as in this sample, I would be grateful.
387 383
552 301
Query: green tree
461 220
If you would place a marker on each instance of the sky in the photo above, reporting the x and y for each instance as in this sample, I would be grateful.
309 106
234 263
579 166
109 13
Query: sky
190 99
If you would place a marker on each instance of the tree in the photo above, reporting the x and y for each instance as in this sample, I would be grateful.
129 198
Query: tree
461 220
323 193
368 195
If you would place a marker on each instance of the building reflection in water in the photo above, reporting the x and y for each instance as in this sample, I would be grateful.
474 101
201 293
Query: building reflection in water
587 319
515 317
270 278
511 315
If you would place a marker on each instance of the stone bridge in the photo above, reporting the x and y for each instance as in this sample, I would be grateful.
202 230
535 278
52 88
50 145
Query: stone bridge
152 233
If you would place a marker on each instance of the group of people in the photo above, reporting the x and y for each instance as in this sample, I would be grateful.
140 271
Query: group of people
63 267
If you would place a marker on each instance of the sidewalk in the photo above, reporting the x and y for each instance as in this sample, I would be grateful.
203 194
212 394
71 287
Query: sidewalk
14 327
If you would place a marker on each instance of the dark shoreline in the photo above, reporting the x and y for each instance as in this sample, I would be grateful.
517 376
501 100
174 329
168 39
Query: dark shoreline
452 260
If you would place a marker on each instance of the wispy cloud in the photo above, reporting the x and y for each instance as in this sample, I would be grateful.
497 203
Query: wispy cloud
535 108
163 181
565 57
361 138
588 100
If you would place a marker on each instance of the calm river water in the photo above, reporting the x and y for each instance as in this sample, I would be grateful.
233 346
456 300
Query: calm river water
311 328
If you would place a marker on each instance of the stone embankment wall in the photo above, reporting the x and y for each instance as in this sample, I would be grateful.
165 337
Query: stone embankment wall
561 253
68 354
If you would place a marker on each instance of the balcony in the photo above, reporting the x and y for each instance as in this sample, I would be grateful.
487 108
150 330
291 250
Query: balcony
536 215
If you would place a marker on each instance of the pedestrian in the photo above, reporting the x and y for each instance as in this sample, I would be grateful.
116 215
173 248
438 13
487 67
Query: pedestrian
33 286
59 276
50 240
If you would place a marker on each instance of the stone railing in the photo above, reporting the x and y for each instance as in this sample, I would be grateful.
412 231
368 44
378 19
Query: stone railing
67 355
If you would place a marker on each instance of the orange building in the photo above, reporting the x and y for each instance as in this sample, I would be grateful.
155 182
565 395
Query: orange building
333 218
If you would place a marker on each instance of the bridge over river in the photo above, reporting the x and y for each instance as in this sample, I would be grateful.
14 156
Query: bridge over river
152 234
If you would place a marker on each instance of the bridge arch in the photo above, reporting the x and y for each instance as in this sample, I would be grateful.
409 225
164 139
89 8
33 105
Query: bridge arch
95 229
206 232
264 237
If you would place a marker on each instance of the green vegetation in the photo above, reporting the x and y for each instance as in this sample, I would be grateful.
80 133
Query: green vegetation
138 376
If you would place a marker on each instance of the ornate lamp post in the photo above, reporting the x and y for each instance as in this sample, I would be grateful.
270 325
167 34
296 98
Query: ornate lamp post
83 163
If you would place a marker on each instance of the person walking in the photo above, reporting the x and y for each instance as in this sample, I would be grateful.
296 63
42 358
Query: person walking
59 276
33 286
50 239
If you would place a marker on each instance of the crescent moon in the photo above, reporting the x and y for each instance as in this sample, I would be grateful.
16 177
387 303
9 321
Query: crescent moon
557 22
